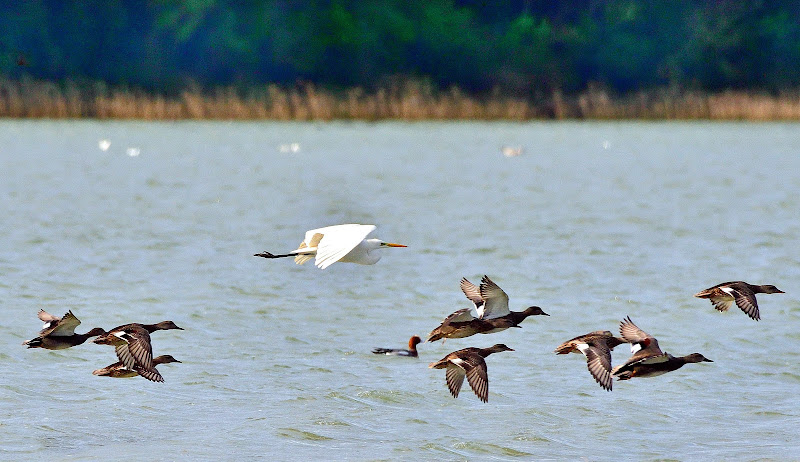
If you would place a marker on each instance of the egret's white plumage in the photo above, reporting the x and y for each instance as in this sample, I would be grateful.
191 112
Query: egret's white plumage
344 243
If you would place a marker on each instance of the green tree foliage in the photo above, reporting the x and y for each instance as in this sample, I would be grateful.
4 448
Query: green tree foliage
520 47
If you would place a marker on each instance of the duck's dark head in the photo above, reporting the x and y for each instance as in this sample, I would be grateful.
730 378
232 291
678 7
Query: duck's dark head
697 358
167 325
499 347
95 332
534 311
770 289
164 359
108 339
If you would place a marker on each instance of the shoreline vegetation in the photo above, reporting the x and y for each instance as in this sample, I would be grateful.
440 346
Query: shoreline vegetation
411 100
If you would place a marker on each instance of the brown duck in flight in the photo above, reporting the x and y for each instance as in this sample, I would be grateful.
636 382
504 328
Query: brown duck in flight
491 306
59 333
648 360
722 296
596 346
468 363
132 345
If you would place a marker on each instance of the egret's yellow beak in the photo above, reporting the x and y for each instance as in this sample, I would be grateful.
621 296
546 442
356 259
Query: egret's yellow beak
394 245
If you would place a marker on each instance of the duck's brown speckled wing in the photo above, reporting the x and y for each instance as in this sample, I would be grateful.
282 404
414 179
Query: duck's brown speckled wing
631 332
56 326
643 366
723 296
125 356
462 315
477 376
598 361
140 348
472 292
643 345
473 367
48 319
657 359
721 302
720 296
455 378
496 300
151 374
137 350
65 327
571 345
444 329
746 301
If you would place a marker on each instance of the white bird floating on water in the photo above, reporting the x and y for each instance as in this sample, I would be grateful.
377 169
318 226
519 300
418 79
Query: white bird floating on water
344 243
511 151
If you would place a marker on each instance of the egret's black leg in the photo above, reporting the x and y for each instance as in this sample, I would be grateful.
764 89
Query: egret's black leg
266 254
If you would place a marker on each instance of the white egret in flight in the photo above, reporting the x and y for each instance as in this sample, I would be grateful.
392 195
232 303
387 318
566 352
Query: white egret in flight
345 243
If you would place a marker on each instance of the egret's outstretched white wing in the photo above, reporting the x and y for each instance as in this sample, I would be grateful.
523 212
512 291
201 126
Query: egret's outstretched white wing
337 241
309 245
311 241
496 300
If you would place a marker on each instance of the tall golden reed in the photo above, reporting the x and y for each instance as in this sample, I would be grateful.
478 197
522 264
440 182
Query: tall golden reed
405 100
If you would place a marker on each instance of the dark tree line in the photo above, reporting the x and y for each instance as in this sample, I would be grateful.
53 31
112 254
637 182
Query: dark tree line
518 47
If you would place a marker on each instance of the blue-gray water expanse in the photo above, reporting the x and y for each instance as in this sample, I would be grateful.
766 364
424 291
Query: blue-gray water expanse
593 222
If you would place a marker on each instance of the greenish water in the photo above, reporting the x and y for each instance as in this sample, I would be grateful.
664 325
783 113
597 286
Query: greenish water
593 222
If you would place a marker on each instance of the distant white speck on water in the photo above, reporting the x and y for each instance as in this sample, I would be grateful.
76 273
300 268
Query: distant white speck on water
511 151
289 148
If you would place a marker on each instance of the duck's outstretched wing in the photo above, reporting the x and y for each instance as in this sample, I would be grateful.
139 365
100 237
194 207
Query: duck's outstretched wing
64 327
477 376
455 378
473 293
746 301
495 299
48 319
643 345
151 374
137 350
441 331
598 361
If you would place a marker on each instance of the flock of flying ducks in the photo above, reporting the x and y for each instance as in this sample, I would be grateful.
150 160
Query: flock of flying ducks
493 315
490 314
131 343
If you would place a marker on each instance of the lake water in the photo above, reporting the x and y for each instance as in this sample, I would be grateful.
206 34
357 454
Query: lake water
593 222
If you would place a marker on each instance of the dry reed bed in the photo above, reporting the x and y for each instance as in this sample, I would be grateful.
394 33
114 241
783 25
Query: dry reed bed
408 101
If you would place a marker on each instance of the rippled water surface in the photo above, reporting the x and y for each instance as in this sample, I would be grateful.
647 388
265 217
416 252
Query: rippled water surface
593 222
